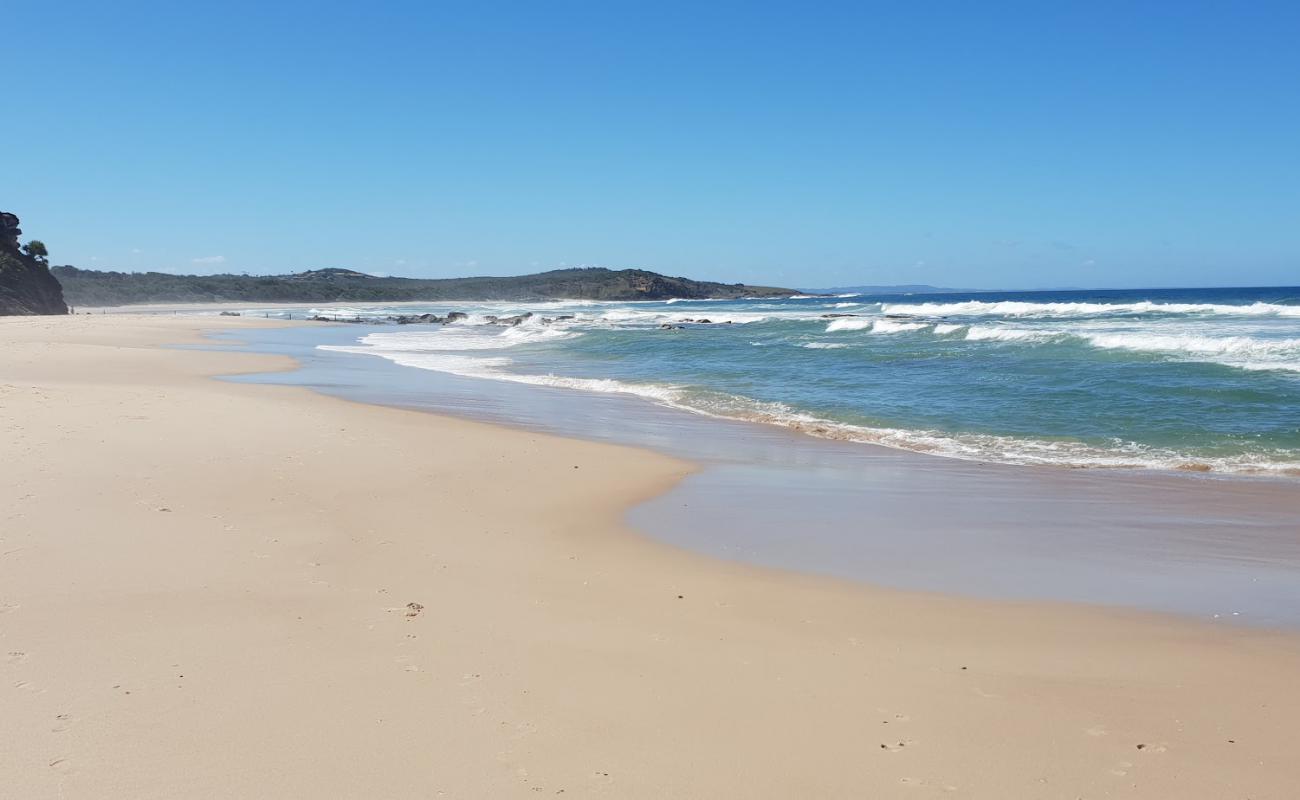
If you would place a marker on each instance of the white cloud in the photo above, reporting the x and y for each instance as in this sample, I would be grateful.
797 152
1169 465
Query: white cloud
209 260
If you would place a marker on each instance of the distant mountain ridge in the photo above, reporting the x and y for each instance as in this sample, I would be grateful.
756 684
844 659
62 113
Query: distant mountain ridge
97 288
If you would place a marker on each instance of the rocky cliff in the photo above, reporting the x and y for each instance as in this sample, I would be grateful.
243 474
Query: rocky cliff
26 285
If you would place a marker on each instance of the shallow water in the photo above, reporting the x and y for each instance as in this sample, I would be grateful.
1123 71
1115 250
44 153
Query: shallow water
1212 547
1182 379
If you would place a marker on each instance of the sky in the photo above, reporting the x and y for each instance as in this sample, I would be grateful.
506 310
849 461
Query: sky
988 145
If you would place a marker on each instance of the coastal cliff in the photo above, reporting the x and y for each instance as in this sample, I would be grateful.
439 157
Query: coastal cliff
26 285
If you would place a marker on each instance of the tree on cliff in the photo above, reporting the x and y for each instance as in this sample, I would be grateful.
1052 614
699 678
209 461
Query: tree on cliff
36 249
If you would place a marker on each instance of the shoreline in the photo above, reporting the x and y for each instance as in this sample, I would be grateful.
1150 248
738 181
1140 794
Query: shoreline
1201 546
167 524
969 445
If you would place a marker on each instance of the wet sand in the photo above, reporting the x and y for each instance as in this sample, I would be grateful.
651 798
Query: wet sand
217 589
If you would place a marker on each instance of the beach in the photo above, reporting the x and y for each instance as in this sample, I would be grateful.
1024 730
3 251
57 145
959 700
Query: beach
218 589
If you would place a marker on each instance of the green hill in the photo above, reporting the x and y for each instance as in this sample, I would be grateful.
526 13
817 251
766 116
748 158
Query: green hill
94 288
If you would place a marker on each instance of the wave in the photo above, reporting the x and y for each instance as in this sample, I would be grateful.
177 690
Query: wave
1241 351
892 326
849 324
824 345
1016 308
990 333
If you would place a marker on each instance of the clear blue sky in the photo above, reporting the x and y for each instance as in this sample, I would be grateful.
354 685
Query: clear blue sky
805 144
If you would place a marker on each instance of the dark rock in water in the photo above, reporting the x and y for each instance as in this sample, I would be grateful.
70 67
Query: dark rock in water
26 285
352 321
518 319
549 320
900 316
229 314
669 327
705 321
419 319
456 316
837 316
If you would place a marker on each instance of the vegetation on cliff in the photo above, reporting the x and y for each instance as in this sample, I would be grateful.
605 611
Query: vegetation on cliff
26 285
95 288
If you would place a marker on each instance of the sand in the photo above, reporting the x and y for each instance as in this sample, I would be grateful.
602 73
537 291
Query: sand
207 589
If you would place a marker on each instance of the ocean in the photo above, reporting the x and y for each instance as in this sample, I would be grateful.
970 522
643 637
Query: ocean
1205 380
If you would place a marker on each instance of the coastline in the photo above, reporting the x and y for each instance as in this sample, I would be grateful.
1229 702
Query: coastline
264 542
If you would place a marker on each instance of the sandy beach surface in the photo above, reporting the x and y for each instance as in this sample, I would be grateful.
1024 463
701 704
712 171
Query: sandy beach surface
220 590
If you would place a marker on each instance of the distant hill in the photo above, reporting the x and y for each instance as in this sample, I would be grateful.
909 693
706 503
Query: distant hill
26 286
95 288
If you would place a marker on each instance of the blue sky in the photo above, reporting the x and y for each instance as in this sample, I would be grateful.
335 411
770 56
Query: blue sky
803 144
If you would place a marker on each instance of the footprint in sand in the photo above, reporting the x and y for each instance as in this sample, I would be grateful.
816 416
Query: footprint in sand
62 765
1121 769
16 657
1096 730
62 723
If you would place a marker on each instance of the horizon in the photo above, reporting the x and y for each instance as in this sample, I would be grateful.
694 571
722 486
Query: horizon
734 143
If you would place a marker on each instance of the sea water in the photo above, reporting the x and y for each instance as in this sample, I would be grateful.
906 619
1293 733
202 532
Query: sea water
1206 380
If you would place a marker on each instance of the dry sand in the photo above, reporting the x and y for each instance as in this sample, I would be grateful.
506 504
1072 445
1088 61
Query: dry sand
205 589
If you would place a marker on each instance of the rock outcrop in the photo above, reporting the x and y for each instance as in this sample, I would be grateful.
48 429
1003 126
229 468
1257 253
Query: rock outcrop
26 285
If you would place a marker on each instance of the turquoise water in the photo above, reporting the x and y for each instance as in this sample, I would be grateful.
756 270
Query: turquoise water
1199 379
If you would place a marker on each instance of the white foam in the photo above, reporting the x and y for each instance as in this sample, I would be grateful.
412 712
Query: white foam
1240 351
892 326
849 324
983 333
1015 308
824 345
